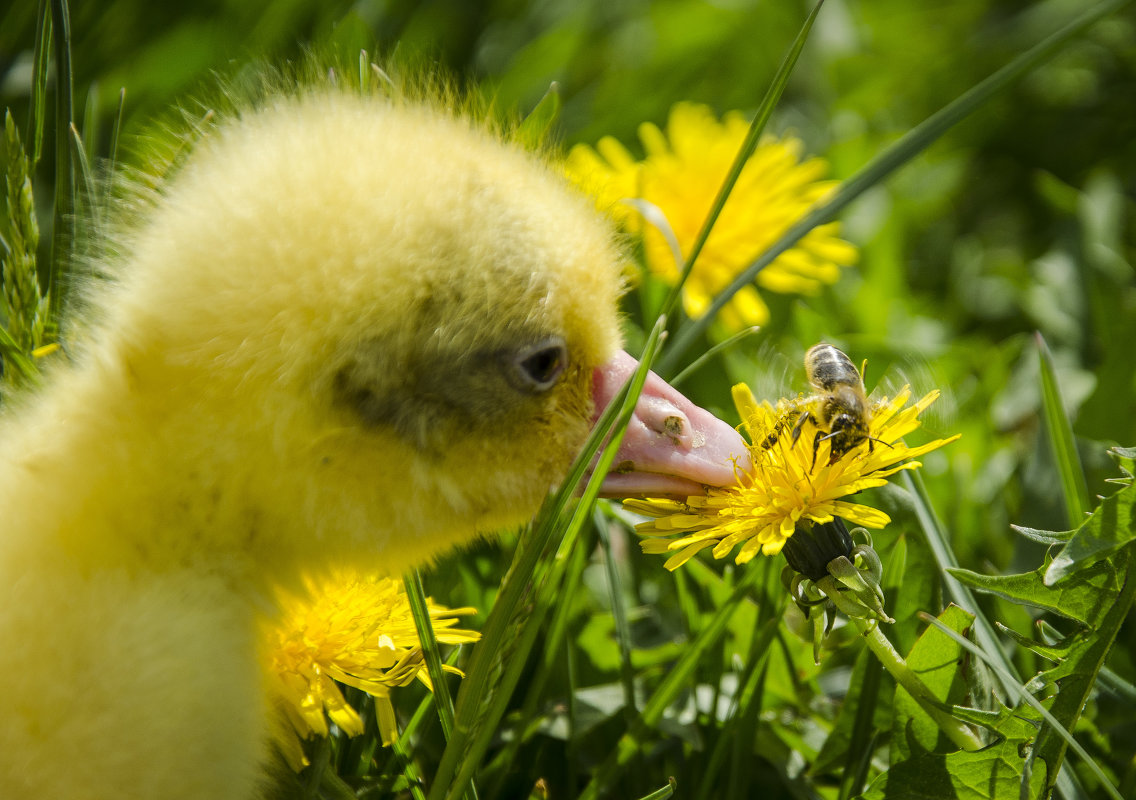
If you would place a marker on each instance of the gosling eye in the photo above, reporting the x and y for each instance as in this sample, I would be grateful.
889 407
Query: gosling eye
537 368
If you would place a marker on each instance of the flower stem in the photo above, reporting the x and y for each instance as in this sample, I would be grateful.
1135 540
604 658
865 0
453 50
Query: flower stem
957 731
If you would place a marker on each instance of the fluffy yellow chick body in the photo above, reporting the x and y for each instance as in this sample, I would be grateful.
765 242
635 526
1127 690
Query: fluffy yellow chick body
346 331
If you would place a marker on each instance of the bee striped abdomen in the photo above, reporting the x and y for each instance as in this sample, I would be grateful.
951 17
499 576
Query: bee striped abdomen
828 368
843 415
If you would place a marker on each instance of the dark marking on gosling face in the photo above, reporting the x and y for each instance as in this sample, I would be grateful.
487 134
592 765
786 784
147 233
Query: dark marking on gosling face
428 396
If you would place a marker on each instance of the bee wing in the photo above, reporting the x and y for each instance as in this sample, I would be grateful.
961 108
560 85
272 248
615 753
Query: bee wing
922 376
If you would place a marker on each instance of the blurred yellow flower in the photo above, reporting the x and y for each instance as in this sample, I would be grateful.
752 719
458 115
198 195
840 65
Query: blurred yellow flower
681 175
792 485
358 631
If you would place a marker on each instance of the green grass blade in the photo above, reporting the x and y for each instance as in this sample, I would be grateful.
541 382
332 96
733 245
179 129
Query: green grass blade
619 613
740 728
753 136
90 123
711 353
364 72
533 131
662 793
85 181
528 617
416 593
936 537
112 152
41 60
116 130
910 145
65 185
1060 429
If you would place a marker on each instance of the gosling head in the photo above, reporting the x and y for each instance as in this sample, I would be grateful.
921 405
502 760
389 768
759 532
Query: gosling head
378 329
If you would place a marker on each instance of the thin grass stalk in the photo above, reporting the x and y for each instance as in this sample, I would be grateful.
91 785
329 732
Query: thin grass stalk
619 613
14 358
41 61
318 763
333 787
63 233
711 353
107 185
403 750
416 594
549 578
1060 429
84 182
90 123
859 757
907 147
663 792
557 639
743 732
533 130
573 711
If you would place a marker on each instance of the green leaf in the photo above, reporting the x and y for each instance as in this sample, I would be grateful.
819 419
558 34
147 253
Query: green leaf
1075 677
1043 537
1110 527
1053 652
993 772
1084 599
1069 684
936 658
533 131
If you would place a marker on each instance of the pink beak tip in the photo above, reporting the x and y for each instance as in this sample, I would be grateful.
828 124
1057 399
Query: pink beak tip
671 447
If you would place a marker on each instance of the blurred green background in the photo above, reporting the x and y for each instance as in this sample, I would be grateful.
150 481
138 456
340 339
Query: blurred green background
1017 222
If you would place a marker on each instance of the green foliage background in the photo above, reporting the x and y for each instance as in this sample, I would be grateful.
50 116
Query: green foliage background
1018 222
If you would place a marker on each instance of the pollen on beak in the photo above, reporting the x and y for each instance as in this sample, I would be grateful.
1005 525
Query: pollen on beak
671 447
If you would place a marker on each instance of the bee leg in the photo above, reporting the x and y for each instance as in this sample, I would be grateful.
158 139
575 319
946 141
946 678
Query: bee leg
806 415
820 437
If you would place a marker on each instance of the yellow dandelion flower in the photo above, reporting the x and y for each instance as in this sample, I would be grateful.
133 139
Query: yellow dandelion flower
681 175
791 485
358 631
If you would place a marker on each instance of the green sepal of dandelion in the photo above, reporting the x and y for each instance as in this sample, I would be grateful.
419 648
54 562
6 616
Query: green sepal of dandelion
791 482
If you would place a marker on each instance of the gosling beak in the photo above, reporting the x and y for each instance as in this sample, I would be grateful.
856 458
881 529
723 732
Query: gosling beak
671 447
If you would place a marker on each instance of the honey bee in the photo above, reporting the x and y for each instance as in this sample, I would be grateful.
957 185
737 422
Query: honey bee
840 407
